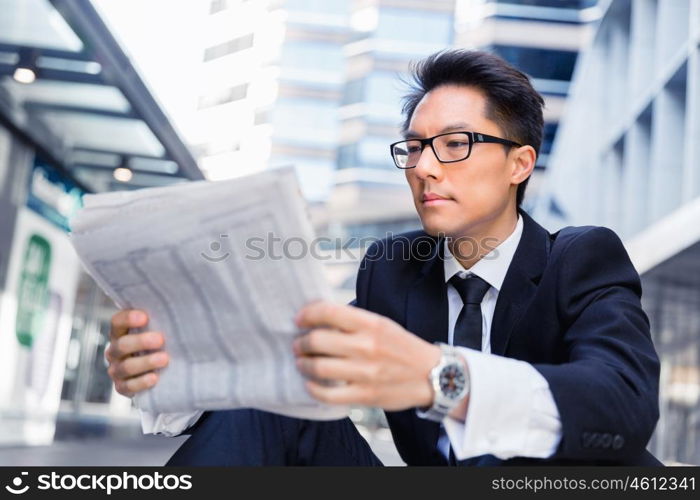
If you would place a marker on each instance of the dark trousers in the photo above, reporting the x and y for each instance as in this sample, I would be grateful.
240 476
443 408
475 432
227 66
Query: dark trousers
253 437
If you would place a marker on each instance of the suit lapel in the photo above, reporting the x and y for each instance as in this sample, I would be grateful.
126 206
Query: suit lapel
427 306
520 283
427 317
426 301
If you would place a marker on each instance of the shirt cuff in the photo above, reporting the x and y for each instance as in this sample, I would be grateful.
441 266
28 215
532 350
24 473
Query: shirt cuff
168 424
511 411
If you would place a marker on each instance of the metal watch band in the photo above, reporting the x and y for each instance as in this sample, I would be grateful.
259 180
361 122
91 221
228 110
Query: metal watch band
442 406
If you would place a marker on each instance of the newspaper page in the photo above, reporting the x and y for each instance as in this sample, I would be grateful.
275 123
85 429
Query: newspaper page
221 268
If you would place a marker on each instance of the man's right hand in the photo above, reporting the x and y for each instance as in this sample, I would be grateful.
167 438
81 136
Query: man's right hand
131 368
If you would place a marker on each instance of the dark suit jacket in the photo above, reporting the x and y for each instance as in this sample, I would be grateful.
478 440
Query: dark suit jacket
569 305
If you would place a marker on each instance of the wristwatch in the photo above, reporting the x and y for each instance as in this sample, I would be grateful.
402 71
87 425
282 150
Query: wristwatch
450 382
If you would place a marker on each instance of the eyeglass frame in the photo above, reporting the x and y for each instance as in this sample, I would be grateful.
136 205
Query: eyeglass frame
474 137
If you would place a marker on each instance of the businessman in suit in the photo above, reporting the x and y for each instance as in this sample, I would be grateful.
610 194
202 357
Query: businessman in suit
486 339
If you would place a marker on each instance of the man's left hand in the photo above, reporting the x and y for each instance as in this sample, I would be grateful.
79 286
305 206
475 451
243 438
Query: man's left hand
369 359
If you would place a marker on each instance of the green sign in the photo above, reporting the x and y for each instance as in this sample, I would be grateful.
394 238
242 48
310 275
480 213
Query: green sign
33 290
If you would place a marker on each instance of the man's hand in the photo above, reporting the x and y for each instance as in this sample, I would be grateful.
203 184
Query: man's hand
130 367
380 363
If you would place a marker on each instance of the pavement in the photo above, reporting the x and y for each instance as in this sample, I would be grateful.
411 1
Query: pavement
135 450
92 451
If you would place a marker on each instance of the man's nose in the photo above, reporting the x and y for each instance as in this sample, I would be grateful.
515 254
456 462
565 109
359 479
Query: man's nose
428 165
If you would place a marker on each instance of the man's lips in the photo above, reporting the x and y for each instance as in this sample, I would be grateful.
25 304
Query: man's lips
434 199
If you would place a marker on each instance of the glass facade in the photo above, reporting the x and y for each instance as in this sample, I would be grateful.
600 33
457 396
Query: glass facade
560 4
86 380
414 25
229 47
638 106
311 55
400 35
305 122
540 63
550 131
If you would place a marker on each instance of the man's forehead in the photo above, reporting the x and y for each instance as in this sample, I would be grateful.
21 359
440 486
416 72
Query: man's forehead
452 127
451 106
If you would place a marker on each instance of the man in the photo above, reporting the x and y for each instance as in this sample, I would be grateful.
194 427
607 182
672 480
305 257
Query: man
544 353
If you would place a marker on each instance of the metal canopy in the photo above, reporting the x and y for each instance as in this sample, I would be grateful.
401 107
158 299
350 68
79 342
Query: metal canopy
88 109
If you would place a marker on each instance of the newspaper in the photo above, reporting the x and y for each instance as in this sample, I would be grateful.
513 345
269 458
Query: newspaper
205 260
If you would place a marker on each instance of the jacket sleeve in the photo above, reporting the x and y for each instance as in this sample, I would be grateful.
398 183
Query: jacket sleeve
607 390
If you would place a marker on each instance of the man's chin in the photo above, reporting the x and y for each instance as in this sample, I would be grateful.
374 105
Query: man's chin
434 228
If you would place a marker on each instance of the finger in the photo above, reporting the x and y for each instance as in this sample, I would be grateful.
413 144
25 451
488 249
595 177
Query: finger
333 369
125 319
135 342
339 394
326 342
342 317
138 365
131 386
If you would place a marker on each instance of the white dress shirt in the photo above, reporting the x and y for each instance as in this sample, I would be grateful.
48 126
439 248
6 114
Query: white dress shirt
511 410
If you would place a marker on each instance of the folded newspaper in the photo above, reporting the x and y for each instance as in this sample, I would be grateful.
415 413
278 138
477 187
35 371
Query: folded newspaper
206 260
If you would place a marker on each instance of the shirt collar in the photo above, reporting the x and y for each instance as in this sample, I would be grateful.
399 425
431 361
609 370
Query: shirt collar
493 266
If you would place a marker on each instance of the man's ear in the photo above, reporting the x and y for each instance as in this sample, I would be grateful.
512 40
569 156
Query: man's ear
523 163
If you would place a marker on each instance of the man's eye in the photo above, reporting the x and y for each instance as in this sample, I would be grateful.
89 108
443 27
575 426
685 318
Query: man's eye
413 149
457 144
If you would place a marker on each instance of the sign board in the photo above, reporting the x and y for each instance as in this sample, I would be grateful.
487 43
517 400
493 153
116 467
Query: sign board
36 315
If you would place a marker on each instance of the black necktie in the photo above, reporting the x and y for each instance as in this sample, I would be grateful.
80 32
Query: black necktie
467 331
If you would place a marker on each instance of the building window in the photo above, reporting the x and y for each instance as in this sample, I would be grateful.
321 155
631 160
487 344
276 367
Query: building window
347 156
224 96
354 91
217 6
550 131
408 25
564 4
312 55
306 122
262 116
226 48
539 63
217 147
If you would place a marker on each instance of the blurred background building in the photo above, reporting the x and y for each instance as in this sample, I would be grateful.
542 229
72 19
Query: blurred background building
99 95
632 162
75 117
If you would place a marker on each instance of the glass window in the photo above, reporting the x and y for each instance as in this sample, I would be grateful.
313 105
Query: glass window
312 55
385 89
226 48
539 63
369 152
354 91
373 152
347 156
319 6
564 4
415 26
262 116
550 131
217 6
306 121
224 96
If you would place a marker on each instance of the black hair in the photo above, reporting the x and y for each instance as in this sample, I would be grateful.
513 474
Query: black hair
512 103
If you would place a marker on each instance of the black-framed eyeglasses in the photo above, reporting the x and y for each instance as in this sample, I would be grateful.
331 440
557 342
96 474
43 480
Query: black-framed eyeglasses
448 148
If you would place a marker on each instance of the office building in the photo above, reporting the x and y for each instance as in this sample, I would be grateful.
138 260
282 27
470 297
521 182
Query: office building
272 76
627 157
75 118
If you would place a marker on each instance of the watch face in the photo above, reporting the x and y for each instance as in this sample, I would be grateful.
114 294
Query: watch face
452 381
